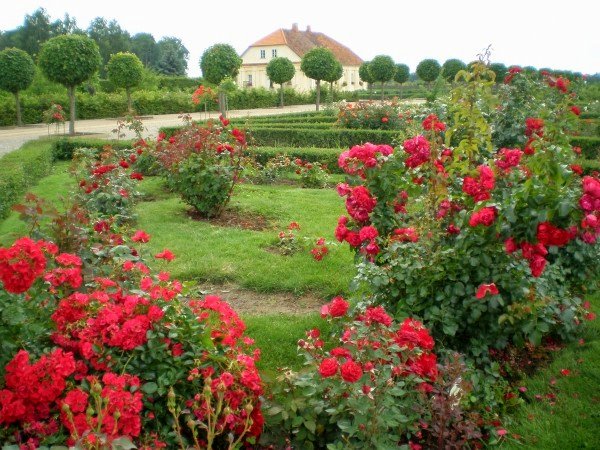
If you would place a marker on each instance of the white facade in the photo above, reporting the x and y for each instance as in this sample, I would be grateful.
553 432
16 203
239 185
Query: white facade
253 72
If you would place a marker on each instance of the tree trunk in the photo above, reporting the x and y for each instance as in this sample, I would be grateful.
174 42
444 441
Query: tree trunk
318 93
382 97
18 107
129 108
71 91
281 96
401 84
331 92
222 104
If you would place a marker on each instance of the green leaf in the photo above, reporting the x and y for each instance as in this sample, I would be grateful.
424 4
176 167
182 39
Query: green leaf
310 425
150 388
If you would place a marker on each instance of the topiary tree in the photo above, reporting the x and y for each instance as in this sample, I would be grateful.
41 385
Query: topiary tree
318 64
335 75
365 76
280 70
70 60
500 70
382 68
428 70
218 62
451 67
402 75
17 70
125 70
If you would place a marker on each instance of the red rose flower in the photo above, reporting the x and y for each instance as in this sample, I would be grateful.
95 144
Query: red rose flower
351 371
328 367
140 236
485 289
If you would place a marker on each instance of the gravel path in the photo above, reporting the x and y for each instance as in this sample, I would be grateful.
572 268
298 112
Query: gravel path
12 138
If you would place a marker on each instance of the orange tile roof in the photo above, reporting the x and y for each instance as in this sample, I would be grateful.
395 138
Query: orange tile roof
277 37
300 42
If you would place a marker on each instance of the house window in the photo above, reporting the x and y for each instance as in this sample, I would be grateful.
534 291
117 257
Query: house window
274 53
263 54
249 81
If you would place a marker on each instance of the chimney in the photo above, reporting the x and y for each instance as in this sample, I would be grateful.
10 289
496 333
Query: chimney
294 27
308 30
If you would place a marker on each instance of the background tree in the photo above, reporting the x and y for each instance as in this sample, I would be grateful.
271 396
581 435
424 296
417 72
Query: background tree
172 57
217 63
125 70
110 37
500 70
428 70
70 60
365 76
451 67
382 68
317 64
17 70
36 30
144 46
401 75
335 75
280 70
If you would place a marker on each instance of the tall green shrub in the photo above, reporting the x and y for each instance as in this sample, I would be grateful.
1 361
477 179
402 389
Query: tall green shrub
17 70
70 60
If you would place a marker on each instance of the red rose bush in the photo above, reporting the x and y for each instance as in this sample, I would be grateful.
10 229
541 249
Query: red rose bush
366 364
100 350
450 211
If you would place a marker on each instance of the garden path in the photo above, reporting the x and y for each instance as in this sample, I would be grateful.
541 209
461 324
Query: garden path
12 138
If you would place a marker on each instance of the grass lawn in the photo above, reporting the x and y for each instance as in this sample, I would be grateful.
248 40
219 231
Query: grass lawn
573 421
53 188
207 252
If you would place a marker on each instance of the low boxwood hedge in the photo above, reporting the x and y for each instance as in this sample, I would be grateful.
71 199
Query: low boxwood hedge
21 169
327 156
62 149
590 146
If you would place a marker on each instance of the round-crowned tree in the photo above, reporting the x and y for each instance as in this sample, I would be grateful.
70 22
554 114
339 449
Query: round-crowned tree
125 70
335 75
318 64
280 70
217 63
70 59
451 67
428 70
365 75
17 70
382 69
500 70
401 75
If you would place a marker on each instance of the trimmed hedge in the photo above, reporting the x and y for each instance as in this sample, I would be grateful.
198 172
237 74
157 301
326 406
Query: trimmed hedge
327 156
110 105
22 169
590 146
63 149
307 137
589 166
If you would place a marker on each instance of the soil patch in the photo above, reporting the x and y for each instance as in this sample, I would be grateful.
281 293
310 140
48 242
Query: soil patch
246 302
236 219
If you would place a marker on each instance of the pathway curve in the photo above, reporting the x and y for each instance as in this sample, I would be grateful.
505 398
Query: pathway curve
12 138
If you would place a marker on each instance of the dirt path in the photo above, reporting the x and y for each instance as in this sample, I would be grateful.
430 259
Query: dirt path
12 138
247 302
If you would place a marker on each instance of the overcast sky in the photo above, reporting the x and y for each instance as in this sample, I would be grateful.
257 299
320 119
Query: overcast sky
556 34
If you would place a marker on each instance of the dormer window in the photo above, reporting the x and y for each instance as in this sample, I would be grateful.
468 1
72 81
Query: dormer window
274 53
263 54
